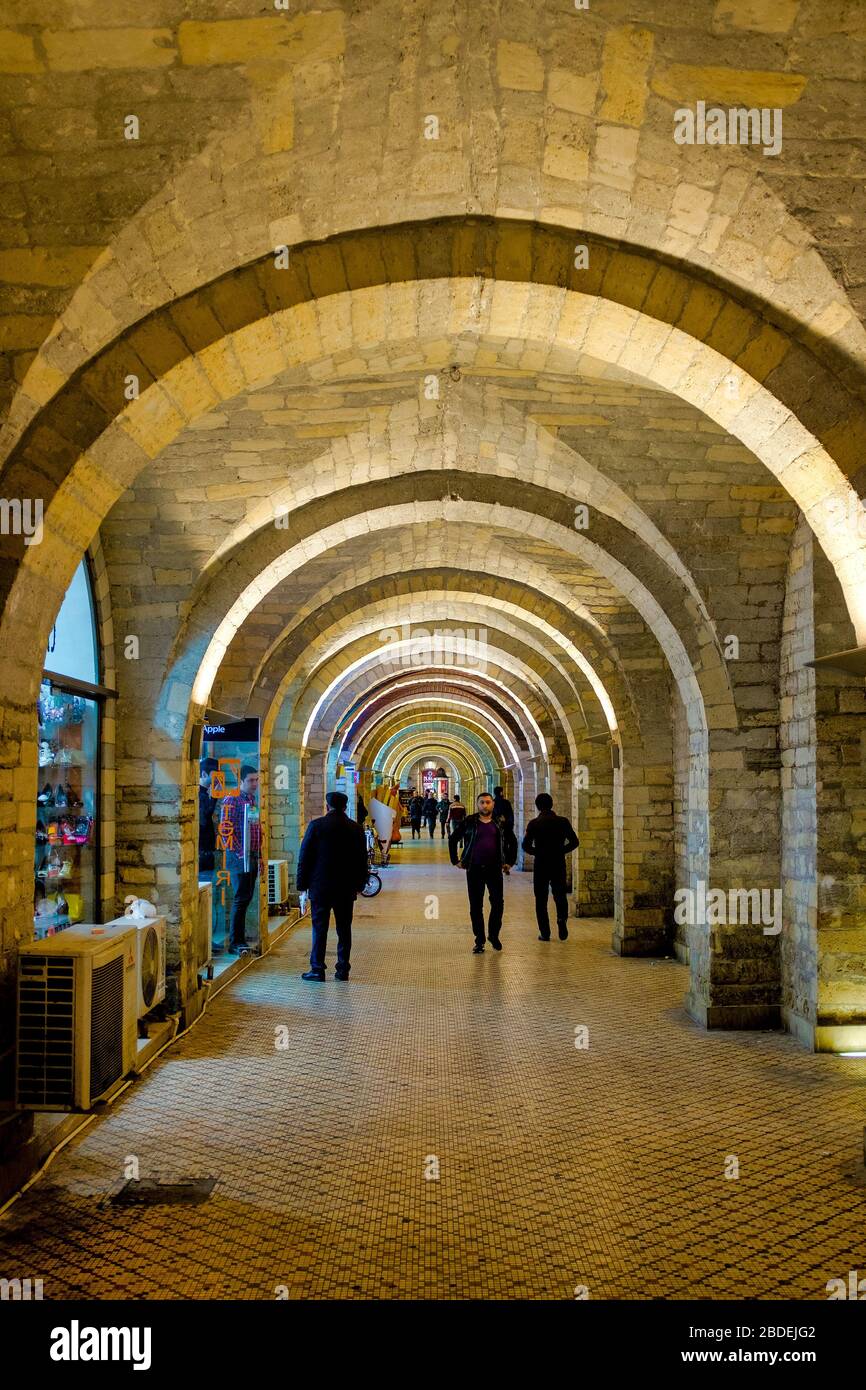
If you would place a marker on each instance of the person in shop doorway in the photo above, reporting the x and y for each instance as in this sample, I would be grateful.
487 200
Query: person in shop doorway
489 851
207 809
502 807
549 838
416 814
430 813
332 868
239 811
443 806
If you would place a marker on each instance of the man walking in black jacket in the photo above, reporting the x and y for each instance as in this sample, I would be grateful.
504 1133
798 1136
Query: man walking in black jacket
430 813
332 867
489 850
416 814
549 838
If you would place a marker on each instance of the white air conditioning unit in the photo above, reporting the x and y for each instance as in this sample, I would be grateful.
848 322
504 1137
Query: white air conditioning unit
278 881
150 959
203 944
76 1017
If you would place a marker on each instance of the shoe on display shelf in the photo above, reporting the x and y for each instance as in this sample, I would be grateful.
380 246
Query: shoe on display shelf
65 827
81 830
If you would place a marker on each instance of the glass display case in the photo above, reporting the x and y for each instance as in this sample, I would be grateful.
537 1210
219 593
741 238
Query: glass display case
66 870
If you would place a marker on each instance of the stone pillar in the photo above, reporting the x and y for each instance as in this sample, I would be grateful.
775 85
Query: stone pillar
823 798
734 962
734 862
643 912
284 806
592 862
798 746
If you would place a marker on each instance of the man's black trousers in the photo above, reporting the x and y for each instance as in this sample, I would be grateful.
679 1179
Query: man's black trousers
243 888
320 912
547 877
476 882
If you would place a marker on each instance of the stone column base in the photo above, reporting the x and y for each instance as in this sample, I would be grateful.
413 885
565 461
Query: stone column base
643 933
825 1037
739 1016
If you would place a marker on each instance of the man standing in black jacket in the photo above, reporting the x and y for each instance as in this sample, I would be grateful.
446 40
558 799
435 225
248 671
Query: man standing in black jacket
416 814
549 838
207 806
332 867
489 850
502 807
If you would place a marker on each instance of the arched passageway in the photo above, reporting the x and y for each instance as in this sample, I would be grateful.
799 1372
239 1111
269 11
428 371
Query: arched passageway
530 450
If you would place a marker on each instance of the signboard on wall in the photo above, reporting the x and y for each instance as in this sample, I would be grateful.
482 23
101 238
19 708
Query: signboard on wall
434 782
240 731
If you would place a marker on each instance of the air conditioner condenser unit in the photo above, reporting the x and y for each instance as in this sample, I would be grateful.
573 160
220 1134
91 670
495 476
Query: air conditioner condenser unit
278 881
76 1017
203 926
150 959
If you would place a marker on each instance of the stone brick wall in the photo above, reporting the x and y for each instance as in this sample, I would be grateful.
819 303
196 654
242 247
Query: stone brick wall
571 115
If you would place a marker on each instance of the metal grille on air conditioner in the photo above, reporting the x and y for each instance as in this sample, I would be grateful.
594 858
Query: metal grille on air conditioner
278 880
106 1025
46 1031
76 1026
148 966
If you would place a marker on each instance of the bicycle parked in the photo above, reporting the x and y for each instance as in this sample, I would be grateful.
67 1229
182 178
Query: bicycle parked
374 882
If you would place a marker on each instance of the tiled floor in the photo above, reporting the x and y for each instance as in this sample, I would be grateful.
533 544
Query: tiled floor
558 1167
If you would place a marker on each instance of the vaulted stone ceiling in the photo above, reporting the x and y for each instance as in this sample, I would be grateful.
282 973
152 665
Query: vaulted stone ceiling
535 104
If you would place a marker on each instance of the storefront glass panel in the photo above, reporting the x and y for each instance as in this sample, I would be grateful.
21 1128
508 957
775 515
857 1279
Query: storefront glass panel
229 825
66 810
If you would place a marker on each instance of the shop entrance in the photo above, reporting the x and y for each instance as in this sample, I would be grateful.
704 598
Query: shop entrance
230 836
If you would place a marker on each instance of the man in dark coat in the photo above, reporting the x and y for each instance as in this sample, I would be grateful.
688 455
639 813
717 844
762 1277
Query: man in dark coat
502 807
549 838
332 868
207 806
489 850
416 814
430 813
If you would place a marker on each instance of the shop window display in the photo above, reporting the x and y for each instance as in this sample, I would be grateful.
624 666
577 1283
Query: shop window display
66 810
66 864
